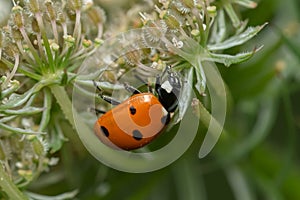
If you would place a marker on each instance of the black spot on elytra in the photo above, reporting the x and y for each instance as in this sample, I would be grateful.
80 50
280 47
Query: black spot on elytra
132 110
165 119
137 135
104 131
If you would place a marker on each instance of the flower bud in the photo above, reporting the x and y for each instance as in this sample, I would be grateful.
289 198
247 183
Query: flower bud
34 6
62 18
11 50
98 42
188 3
133 57
26 48
172 22
199 6
97 15
195 32
212 11
54 46
34 25
17 16
69 40
16 34
75 4
87 4
27 174
87 43
50 10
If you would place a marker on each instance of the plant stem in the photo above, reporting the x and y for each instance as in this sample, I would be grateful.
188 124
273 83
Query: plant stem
64 102
9 187
66 106
206 119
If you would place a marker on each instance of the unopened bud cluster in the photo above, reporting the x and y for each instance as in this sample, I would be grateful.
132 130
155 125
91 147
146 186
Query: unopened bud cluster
43 43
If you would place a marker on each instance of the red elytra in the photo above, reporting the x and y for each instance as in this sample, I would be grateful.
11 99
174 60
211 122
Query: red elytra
133 123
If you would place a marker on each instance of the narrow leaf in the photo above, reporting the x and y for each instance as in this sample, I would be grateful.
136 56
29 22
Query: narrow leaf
232 14
16 100
24 111
246 3
46 114
64 196
57 138
228 60
7 119
237 39
219 29
19 130
238 183
14 86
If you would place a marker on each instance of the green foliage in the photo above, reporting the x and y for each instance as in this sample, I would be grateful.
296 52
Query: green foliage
42 157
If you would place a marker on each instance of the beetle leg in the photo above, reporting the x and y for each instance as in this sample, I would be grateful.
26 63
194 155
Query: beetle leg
145 83
131 89
157 83
106 98
110 100
97 111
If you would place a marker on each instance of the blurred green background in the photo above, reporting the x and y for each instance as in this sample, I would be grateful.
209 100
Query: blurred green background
258 158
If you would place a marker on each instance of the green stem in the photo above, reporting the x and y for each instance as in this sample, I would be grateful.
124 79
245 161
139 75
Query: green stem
206 118
9 187
66 106
64 102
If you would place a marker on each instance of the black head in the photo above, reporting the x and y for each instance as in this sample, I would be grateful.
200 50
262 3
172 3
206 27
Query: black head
169 90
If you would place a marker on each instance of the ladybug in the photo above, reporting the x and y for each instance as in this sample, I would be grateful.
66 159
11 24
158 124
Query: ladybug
138 120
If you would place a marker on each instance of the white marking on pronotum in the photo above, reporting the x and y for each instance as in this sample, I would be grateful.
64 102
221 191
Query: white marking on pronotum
167 86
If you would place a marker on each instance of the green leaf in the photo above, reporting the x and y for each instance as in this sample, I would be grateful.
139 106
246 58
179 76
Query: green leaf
15 85
16 100
246 3
219 30
64 196
232 14
102 84
7 119
24 111
228 60
237 39
46 114
19 130
238 182
57 138
7 185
